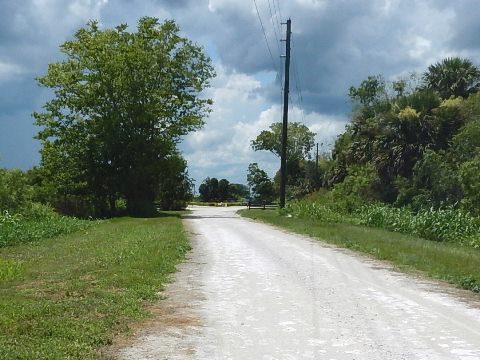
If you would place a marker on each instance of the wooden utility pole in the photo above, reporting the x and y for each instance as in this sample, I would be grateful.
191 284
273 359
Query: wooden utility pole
283 163
316 158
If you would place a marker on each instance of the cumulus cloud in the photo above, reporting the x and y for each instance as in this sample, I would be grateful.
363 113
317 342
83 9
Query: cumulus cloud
222 147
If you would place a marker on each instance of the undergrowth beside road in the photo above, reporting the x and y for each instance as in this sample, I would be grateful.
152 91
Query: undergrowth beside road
36 222
65 297
444 225
454 263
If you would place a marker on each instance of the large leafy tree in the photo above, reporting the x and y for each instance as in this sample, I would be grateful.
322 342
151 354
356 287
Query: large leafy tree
208 189
175 190
122 101
453 77
371 95
299 144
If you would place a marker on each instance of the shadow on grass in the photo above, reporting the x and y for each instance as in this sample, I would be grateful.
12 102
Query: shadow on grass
160 214
173 213
196 217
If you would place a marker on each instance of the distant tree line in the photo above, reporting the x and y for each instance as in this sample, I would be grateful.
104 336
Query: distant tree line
222 190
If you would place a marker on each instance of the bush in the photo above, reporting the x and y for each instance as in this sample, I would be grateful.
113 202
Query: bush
470 179
15 191
313 210
361 185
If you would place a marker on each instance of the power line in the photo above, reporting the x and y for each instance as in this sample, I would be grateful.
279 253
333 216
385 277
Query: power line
296 72
265 35
274 28
276 21
298 86
278 7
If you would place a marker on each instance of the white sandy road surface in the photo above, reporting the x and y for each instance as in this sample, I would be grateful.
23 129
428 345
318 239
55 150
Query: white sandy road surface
250 291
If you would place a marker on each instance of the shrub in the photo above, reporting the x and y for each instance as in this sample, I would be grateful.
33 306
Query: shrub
470 179
361 185
313 210
15 191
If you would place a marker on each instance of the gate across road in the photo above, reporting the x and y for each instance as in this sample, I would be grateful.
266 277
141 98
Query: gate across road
263 205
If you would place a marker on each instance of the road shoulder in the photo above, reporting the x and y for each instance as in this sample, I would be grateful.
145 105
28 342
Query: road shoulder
175 326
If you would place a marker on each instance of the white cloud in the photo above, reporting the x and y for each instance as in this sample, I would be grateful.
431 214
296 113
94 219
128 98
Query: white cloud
222 148
312 4
9 70
239 5
239 114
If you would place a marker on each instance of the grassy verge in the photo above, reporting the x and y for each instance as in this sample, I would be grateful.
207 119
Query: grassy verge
451 262
65 297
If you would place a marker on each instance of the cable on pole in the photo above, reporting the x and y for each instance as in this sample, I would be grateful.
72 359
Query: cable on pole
265 35
278 7
272 20
298 86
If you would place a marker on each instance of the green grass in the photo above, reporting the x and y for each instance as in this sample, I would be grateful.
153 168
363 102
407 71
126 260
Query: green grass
446 261
65 297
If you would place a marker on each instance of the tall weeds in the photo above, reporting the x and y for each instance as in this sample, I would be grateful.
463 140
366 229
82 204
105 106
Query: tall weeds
34 223
444 225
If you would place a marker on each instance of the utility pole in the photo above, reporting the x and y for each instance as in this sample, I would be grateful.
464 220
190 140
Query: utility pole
283 164
316 159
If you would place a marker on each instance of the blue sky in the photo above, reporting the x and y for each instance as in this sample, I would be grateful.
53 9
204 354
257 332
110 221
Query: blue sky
336 44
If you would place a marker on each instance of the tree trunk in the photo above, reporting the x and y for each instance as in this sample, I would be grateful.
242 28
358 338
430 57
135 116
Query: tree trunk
141 201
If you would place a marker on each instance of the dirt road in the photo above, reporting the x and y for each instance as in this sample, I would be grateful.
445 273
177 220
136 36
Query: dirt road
250 291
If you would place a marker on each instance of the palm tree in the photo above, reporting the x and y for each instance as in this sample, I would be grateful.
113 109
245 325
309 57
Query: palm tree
453 77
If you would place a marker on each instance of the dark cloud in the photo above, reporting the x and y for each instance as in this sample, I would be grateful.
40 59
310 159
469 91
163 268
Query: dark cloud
17 147
337 44
467 25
